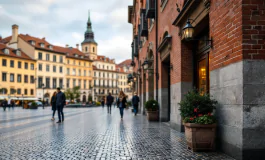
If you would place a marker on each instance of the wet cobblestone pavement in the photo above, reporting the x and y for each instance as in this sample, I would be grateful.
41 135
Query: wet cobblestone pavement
91 133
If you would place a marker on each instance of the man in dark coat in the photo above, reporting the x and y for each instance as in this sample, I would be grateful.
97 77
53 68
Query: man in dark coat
110 100
60 102
4 104
135 103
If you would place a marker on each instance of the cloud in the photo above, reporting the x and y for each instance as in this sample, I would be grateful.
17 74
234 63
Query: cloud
64 22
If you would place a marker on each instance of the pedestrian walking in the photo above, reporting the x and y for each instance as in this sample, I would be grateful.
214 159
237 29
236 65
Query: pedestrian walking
9 103
4 104
12 103
135 102
53 103
122 103
60 102
110 100
103 102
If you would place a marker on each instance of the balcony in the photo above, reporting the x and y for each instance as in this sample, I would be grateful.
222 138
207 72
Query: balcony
150 9
144 24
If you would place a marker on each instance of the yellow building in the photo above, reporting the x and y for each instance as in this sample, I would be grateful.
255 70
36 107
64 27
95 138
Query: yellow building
79 71
50 61
17 72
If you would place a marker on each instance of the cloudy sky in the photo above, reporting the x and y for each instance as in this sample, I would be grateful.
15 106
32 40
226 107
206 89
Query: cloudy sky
64 22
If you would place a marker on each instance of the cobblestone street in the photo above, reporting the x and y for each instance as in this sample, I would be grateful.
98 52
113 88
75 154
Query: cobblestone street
91 133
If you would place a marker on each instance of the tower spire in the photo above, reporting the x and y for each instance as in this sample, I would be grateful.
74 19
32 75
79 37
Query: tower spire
89 16
89 34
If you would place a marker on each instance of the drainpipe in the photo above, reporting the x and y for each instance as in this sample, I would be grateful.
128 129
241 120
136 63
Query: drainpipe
157 76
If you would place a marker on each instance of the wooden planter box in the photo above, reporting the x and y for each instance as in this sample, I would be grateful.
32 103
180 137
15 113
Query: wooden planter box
152 115
200 137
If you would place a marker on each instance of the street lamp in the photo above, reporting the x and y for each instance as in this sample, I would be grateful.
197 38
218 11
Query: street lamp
188 30
43 95
146 64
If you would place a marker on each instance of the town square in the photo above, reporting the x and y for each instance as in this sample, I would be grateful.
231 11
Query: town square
134 79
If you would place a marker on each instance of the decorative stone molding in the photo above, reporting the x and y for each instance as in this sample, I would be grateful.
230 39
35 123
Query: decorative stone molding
163 4
165 47
207 4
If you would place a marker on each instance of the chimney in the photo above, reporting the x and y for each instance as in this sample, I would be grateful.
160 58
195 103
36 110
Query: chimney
67 46
14 33
77 46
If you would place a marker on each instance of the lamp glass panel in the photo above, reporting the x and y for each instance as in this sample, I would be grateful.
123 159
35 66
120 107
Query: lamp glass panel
188 33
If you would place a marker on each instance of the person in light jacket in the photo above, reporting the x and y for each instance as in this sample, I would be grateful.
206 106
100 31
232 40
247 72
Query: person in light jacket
122 103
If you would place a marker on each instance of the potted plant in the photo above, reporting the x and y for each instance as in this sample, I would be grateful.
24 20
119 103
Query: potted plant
33 105
200 124
151 107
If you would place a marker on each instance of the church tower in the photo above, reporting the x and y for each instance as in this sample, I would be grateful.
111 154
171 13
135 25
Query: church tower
89 45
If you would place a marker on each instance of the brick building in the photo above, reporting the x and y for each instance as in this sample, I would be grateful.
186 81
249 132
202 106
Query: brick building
222 55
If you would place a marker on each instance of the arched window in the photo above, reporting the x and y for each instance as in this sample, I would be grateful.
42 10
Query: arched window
86 49
93 49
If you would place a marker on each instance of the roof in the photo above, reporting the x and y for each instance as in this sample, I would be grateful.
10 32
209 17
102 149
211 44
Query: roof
6 40
125 63
72 53
119 69
105 59
12 52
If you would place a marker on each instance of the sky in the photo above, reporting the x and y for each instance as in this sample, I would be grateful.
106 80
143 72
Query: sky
63 22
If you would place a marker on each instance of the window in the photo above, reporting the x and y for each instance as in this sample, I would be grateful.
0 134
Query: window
40 67
33 43
84 84
54 58
40 56
26 91
79 83
47 68
40 82
68 83
86 49
32 66
48 82
79 63
84 72
12 63
4 77
61 69
89 73
6 51
3 62
103 67
26 79
74 83
54 82
31 92
50 46
32 80
54 69
93 49
18 91
19 78
18 53
74 72
94 74
68 61
12 77
26 65
61 83
42 45
61 59
47 57
74 62
68 71
79 72
18 64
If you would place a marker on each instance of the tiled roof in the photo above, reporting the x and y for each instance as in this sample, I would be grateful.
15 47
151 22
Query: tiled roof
5 40
12 52
72 52
120 69
102 59
125 63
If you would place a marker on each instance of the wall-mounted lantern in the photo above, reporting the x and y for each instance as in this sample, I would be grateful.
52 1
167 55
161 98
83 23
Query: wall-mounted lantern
188 30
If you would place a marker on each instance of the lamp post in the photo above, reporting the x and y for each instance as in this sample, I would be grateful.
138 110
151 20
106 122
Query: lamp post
43 95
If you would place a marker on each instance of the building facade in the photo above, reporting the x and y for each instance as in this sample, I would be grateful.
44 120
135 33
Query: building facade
222 56
18 73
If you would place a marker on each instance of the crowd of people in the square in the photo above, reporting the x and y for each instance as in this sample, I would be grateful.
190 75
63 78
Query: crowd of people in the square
58 101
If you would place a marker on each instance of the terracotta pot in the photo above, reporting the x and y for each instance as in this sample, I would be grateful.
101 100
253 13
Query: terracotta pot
200 137
152 115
